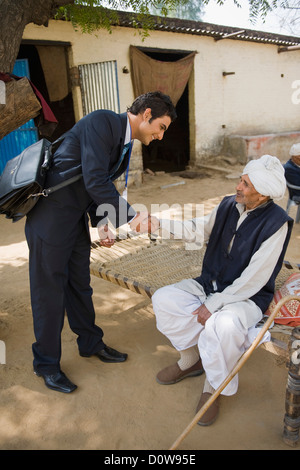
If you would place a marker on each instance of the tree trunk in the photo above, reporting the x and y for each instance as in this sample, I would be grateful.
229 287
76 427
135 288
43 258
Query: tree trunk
14 16
21 105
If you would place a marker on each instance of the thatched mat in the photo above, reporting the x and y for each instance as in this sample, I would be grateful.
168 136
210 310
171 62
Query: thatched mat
121 407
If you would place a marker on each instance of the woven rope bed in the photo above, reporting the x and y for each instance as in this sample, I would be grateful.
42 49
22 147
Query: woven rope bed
143 265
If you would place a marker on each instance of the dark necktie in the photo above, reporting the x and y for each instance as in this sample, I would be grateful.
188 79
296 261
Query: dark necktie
117 166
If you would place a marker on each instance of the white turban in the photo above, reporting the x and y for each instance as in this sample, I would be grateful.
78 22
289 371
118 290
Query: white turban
267 176
295 150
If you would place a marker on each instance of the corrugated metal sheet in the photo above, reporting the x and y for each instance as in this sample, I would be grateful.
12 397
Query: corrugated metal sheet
15 142
99 86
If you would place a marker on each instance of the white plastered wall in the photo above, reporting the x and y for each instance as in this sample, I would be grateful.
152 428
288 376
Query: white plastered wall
256 99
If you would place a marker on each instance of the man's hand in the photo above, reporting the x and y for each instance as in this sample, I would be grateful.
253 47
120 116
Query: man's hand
140 222
203 314
154 224
144 223
107 238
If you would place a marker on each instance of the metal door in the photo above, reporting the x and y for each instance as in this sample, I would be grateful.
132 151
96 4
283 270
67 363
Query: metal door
15 142
99 86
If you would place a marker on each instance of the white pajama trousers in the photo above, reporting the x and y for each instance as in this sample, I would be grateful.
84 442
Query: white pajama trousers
222 340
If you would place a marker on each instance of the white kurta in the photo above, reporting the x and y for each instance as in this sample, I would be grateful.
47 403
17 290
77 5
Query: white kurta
231 328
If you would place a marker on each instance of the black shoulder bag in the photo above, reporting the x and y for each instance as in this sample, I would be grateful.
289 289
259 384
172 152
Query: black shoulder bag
23 178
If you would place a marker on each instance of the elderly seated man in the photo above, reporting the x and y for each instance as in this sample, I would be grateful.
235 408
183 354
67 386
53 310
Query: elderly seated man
208 319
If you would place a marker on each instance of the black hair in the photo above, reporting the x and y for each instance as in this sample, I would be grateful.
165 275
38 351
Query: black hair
160 104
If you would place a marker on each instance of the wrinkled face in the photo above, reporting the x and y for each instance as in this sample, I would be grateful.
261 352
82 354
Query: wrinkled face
246 194
149 131
296 159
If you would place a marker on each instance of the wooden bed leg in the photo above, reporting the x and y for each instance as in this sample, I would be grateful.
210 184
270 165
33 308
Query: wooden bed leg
292 398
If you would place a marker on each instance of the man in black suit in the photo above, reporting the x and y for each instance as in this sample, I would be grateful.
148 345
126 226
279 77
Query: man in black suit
57 228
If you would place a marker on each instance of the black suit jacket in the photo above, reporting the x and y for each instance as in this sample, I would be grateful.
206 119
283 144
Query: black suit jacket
92 147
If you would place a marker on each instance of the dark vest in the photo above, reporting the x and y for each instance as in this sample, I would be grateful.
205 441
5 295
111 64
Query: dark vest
224 267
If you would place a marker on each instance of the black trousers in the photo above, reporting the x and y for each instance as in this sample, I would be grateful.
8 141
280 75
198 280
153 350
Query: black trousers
59 284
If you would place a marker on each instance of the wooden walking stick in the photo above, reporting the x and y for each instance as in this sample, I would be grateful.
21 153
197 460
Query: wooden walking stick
235 370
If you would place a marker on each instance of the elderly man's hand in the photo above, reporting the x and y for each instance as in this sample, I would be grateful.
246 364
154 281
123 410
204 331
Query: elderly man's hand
154 224
203 314
107 238
144 223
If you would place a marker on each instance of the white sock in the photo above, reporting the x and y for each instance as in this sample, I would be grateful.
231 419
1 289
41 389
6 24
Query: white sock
188 357
207 387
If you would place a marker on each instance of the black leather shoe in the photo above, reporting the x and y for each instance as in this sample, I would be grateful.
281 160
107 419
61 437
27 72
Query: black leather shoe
108 354
58 381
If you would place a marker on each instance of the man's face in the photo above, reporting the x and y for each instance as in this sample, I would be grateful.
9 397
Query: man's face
296 159
246 194
149 131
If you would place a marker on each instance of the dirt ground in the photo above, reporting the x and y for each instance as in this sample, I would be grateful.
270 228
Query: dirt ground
122 407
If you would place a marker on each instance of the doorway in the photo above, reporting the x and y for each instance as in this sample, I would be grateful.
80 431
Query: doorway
62 109
172 153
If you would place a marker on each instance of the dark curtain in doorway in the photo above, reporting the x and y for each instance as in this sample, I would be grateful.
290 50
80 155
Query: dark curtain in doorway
148 74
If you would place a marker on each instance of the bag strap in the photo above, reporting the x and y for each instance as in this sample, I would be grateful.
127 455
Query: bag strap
52 189
48 151
46 164
60 138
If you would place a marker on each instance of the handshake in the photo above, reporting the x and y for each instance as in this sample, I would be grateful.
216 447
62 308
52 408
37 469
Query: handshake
143 222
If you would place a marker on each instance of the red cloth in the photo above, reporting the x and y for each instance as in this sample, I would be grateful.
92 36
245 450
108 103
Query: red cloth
48 114
5 77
